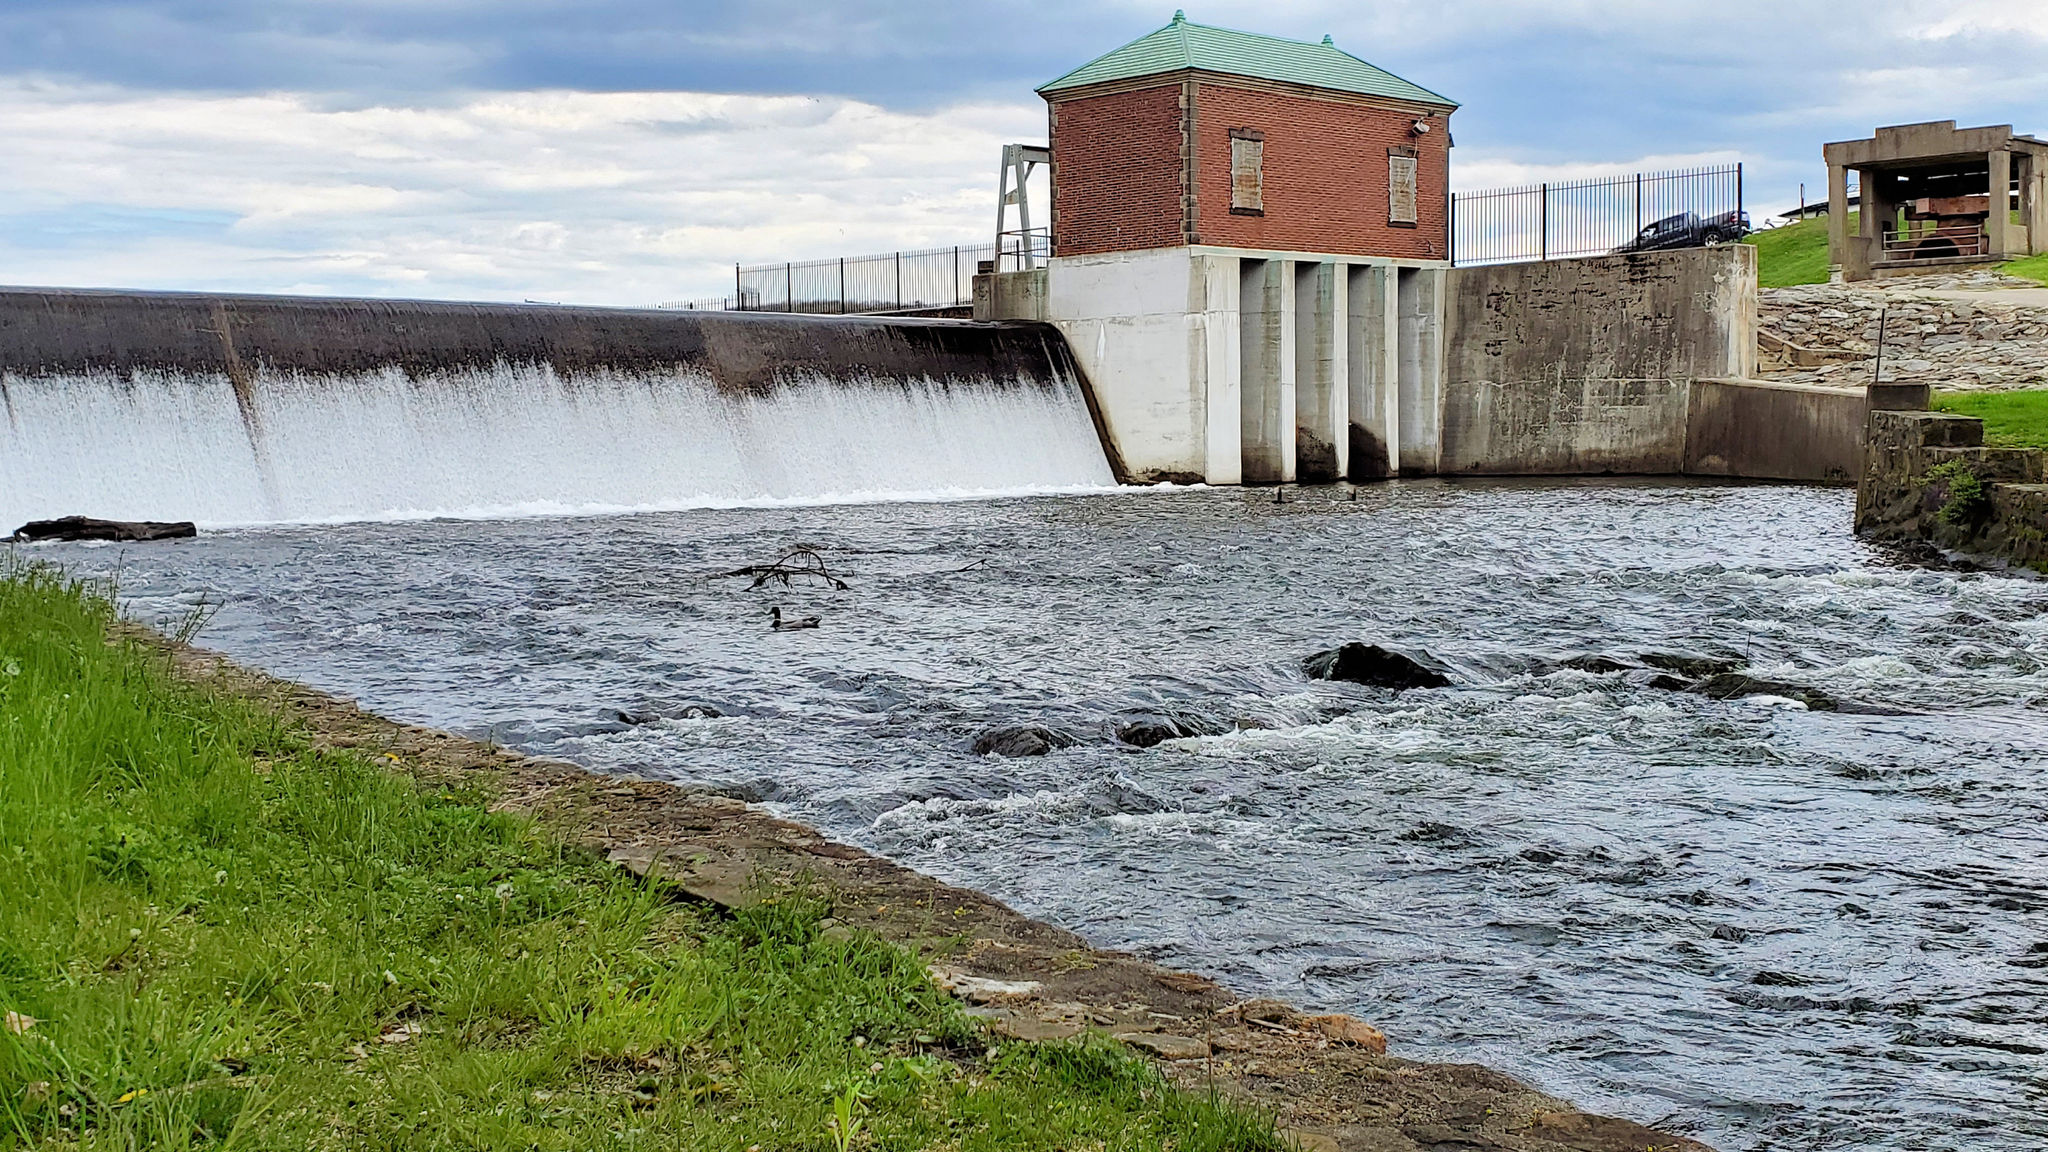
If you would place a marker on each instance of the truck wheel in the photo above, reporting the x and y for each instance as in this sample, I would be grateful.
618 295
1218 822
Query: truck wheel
1713 240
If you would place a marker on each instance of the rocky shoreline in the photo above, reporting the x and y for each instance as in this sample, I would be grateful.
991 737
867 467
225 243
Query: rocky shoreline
1328 1078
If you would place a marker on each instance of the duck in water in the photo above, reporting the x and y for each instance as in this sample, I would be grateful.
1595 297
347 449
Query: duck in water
776 621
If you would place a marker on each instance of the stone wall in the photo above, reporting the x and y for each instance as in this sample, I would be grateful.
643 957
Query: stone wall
1928 478
1577 366
1958 333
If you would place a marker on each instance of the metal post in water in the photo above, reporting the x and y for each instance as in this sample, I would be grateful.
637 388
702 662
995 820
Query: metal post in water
1877 370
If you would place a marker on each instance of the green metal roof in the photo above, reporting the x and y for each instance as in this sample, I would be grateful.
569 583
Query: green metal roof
1182 45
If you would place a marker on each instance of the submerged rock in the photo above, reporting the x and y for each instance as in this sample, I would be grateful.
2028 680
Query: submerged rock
637 717
1372 664
87 528
1157 728
1731 685
1021 740
1690 663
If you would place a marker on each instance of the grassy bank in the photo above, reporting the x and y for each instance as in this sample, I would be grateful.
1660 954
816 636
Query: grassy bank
1798 254
215 935
2011 419
1794 254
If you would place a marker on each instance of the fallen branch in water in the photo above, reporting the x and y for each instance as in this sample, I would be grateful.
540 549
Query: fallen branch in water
800 563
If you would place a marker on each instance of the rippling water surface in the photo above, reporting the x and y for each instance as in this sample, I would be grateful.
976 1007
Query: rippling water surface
1769 927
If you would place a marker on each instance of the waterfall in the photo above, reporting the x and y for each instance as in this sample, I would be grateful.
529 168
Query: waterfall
519 439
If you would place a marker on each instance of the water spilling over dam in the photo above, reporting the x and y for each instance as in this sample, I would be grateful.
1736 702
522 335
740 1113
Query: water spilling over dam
263 410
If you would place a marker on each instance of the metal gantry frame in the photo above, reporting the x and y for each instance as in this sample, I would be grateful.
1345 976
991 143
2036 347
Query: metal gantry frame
1013 191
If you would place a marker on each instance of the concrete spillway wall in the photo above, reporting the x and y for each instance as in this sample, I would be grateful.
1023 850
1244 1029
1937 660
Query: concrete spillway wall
242 409
57 330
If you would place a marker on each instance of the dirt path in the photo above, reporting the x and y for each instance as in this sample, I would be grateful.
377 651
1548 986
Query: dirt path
1328 1077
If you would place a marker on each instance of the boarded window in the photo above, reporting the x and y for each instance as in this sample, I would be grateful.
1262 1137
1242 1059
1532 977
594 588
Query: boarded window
1247 171
1401 194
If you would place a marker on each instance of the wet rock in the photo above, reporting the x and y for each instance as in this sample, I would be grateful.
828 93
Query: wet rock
1598 665
639 716
1021 740
1732 685
1374 665
1730 933
87 528
1156 728
1690 664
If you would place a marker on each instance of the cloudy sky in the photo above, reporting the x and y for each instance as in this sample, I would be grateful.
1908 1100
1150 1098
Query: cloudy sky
629 151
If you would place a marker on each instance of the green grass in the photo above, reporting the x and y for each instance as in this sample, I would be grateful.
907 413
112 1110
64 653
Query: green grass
230 939
1796 253
2011 419
2033 268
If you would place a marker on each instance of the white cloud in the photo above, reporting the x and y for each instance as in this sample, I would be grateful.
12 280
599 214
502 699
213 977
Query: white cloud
627 198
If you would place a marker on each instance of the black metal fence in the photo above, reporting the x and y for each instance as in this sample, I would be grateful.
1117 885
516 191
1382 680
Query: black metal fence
1585 217
890 282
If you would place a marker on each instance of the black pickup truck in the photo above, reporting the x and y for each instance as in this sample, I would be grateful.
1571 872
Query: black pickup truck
1687 230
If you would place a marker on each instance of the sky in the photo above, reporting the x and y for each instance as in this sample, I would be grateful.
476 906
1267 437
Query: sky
631 151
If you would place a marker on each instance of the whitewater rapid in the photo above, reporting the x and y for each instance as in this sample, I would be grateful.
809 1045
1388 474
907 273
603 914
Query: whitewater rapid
521 440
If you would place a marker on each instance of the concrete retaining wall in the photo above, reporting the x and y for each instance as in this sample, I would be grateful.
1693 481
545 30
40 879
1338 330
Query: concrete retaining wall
1766 431
1577 366
47 331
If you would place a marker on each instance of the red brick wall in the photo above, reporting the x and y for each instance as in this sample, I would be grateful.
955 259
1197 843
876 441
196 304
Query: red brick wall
1117 171
1325 175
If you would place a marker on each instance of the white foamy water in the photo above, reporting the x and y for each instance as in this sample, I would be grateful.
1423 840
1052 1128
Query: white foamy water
520 440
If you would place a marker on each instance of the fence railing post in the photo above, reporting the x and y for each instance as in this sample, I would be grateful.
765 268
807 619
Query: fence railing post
956 275
1543 223
739 294
842 285
1451 241
1639 207
789 287
899 279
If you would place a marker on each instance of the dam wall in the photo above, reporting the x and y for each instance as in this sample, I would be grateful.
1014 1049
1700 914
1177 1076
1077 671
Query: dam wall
1245 367
244 409
1587 365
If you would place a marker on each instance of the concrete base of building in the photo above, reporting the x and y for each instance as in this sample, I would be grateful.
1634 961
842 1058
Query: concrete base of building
1233 366
1237 366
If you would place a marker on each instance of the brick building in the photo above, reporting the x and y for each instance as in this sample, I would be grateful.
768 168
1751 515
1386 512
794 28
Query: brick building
1195 135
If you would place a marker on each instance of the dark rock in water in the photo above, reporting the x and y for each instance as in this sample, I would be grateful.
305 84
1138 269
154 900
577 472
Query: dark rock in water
684 712
1598 665
1146 731
1690 663
1372 664
1730 685
87 528
1021 740
1729 932
1666 682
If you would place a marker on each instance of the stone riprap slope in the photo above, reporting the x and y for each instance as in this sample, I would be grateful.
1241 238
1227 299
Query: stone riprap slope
1979 332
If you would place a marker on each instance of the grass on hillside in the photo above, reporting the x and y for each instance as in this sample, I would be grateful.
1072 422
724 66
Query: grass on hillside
1797 253
213 935
2033 268
2011 419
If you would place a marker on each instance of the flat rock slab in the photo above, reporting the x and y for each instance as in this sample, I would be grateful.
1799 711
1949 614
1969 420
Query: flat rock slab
1326 1078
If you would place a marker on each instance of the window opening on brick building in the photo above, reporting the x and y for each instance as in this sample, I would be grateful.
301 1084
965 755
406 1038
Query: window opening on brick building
1401 194
1247 171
